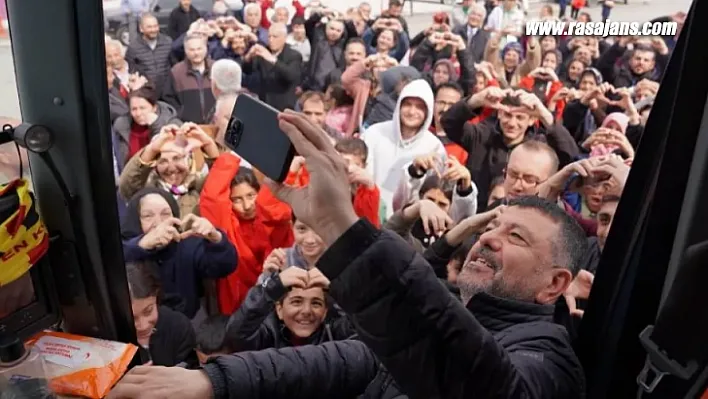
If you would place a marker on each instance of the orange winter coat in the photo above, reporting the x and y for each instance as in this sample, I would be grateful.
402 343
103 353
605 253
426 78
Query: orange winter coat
253 239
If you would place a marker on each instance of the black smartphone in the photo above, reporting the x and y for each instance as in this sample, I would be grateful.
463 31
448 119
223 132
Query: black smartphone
254 134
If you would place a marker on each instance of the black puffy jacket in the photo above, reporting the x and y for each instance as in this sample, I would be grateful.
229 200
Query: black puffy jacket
255 326
340 369
432 346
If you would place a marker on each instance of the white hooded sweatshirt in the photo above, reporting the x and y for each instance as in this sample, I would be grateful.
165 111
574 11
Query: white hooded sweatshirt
388 153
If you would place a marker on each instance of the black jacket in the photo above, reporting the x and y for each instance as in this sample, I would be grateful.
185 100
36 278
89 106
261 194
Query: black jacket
180 21
255 326
621 75
173 341
279 80
321 48
153 64
340 369
475 47
488 154
434 347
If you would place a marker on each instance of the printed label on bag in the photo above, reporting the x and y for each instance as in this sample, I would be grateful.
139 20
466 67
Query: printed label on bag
63 351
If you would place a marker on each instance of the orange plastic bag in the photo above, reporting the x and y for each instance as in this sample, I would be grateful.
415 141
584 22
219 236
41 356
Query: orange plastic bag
82 366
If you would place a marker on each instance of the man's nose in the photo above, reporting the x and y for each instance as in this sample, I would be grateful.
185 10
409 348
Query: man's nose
491 240
306 309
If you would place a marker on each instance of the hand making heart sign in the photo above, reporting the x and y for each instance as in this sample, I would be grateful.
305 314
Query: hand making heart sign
507 100
183 139
295 277
175 230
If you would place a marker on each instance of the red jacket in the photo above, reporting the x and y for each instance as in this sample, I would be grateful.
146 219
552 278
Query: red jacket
366 200
253 239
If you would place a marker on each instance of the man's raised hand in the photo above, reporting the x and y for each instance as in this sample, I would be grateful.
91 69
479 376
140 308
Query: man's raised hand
325 204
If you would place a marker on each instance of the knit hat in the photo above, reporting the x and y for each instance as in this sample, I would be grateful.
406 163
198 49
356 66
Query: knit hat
513 46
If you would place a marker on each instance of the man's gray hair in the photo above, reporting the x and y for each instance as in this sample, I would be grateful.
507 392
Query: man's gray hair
251 6
477 7
195 36
220 8
226 75
280 28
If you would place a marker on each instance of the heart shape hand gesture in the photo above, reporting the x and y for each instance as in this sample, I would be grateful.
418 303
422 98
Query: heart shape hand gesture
295 277
174 229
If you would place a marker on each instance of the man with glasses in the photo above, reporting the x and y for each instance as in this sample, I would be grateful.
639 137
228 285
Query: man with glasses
530 164
520 117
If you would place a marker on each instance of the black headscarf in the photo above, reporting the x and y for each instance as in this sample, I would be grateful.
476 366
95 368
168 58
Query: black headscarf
130 227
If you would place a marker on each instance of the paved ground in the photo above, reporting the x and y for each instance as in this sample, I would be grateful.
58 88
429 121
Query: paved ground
639 11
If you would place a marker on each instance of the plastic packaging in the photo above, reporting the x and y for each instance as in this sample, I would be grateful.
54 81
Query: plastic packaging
22 371
82 366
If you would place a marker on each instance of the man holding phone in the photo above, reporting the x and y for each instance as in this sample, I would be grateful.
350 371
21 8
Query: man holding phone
432 345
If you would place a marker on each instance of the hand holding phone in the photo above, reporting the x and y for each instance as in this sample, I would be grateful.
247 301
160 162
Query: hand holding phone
254 133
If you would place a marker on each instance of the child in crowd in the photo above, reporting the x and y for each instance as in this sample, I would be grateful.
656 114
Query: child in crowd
365 193
211 338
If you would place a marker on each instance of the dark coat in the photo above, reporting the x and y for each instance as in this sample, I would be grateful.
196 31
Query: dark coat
173 341
340 369
255 326
180 20
488 154
153 64
429 343
619 74
182 265
278 81
321 48
475 49
189 91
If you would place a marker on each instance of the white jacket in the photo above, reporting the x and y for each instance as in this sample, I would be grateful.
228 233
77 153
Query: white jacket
388 153
408 191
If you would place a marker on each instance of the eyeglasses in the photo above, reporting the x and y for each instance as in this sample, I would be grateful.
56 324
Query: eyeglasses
445 104
528 180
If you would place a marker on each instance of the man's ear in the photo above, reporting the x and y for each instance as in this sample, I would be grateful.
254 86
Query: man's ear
532 121
279 310
558 280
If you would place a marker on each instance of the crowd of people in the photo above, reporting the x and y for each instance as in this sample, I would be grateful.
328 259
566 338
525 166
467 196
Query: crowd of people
436 235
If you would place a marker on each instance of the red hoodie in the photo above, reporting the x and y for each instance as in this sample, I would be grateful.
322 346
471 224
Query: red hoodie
366 200
253 239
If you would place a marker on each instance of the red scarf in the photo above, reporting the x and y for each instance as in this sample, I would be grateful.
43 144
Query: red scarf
139 138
